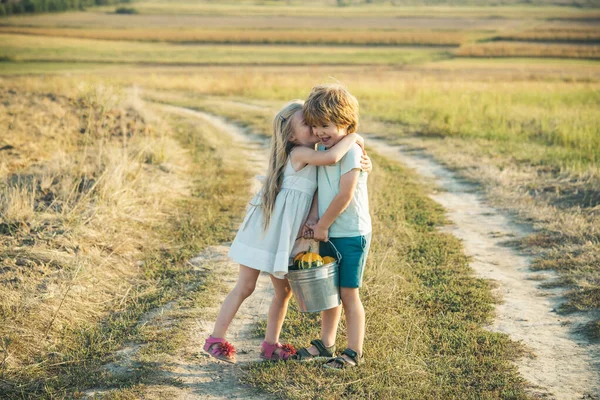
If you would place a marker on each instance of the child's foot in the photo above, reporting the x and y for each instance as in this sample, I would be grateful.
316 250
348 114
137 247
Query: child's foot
317 350
348 359
220 349
277 351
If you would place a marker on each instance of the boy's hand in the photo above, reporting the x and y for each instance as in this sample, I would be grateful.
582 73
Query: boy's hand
320 233
365 163
361 142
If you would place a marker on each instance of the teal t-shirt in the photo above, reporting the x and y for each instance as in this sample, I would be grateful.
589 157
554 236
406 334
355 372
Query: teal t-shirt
355 220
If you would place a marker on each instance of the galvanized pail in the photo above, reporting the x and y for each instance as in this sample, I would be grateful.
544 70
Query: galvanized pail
317 289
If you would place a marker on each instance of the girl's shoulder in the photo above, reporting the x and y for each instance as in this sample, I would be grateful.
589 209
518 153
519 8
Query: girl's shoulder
294 159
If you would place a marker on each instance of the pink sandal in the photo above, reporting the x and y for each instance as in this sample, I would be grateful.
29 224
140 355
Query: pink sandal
220 349
268 351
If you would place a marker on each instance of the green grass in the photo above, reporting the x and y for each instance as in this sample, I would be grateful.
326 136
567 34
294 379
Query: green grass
508 9
27 48
540 122
8 68
424 311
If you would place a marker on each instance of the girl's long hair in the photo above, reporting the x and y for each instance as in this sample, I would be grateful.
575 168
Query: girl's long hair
278 157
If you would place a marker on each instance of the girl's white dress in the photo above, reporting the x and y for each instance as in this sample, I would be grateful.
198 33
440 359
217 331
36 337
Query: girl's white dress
270 250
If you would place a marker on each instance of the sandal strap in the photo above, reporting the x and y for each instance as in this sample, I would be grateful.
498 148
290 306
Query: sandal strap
285 351
268 349
340 360
303 354
323 351
222 347
352 354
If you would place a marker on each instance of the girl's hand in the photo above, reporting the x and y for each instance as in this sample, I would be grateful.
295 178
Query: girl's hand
307 232
365 163
320 233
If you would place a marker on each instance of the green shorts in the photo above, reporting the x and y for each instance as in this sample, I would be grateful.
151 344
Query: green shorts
354 251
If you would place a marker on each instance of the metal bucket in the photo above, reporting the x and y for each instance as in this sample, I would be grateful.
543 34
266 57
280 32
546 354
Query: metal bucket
316 289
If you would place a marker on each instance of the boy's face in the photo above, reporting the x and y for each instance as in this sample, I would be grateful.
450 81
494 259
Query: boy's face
328 133
302 134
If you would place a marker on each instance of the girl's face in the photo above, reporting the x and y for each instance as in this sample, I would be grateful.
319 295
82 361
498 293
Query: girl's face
302 134
329 134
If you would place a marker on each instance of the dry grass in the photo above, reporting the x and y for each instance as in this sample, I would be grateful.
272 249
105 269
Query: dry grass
517 49
246 36
97 222
75 221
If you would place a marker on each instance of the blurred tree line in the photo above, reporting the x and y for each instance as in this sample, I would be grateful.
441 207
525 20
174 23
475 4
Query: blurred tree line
9 7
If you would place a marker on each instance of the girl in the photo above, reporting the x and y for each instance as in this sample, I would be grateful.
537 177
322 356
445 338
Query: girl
274 219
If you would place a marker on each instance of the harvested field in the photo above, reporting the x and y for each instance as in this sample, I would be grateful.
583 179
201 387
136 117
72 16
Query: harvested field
520 49
267 36
188 20
577 34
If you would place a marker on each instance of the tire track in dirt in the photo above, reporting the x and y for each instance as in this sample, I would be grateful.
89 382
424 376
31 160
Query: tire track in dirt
201 376
565 365
198 375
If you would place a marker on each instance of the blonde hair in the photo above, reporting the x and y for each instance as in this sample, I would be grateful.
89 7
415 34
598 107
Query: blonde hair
278 157
332 103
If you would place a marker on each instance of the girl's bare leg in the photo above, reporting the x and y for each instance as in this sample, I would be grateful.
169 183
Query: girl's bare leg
243 288
278 309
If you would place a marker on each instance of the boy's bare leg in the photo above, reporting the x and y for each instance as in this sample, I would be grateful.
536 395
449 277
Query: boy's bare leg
243 288
278 309
329 324
330 319
355 320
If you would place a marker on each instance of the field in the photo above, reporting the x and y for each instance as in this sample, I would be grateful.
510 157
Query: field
105 197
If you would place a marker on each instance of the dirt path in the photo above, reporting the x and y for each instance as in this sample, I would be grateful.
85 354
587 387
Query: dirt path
200 375
565 365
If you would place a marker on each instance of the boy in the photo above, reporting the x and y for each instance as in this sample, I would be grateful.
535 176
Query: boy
343 210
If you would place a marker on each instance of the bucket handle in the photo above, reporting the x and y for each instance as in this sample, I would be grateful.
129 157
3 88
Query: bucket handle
339 256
